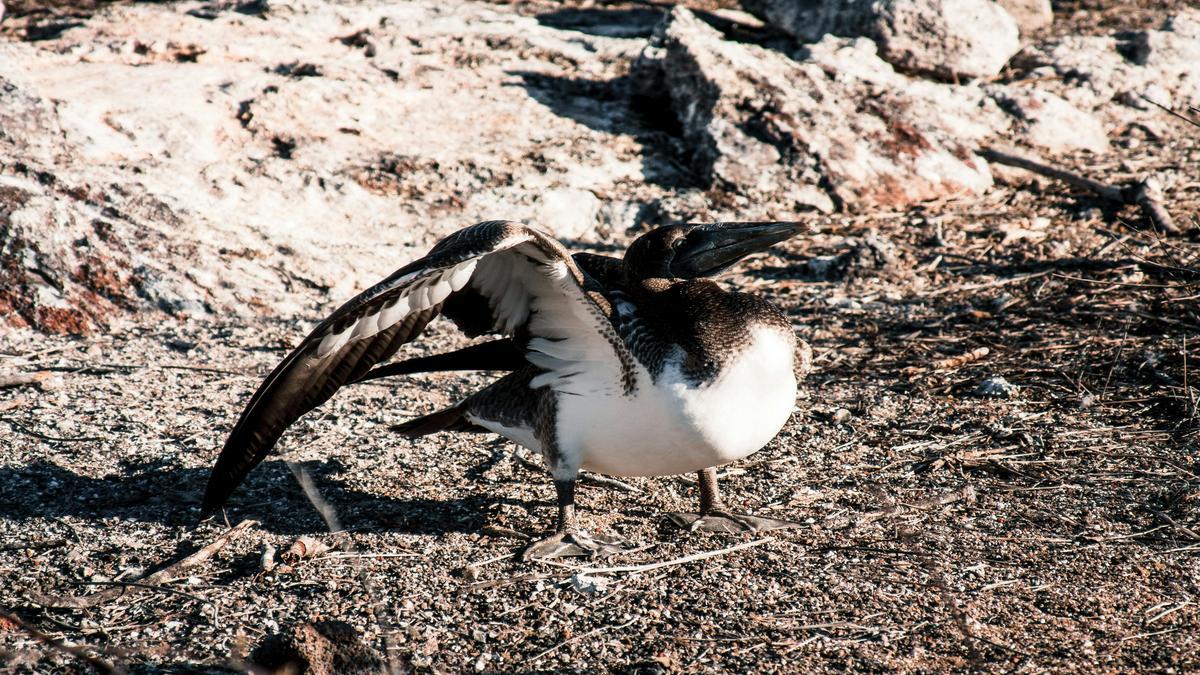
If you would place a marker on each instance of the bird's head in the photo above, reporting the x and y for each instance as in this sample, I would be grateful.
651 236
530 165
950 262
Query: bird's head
694 251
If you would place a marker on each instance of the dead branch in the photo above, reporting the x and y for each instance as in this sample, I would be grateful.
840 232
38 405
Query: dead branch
677 561
46 437
1172 111
56 543
1145 193
163 576
955 362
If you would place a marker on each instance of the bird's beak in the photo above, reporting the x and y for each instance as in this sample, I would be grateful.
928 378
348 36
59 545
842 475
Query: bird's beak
710 249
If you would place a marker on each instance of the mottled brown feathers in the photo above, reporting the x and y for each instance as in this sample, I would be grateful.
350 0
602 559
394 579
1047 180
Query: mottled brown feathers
373 325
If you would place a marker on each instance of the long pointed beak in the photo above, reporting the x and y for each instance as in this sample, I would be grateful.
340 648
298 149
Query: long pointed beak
710 249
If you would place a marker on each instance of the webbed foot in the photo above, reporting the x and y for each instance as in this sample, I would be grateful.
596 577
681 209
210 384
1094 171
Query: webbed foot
720 520
574 544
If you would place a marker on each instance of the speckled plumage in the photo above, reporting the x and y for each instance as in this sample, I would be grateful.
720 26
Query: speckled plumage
632 366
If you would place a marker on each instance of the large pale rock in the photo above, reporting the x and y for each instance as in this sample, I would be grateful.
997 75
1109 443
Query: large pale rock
946 38
1109 75
1049 122
839 126
192 159
570 213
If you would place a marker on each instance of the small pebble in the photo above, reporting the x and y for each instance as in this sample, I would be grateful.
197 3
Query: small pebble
996 387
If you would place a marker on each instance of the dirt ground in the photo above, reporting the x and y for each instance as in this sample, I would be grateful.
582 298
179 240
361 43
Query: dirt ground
943 529
949 521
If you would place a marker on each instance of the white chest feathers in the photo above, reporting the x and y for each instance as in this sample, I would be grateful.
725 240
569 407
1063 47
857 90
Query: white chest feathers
672 426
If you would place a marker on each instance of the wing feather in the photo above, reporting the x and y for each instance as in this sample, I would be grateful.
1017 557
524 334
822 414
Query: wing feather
528 282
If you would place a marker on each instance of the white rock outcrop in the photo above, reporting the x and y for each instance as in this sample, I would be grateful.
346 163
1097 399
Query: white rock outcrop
196 159
836 126
205 158
951 39
1110 75
1030 15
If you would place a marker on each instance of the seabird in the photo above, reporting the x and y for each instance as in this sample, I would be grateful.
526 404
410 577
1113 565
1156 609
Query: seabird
633 366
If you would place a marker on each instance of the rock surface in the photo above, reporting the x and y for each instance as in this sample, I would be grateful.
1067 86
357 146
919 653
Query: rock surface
837 127
1050 123
1110 75
197 159
947 38
203 159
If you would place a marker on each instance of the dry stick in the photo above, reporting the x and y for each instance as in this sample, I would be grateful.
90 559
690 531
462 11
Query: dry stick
55 543
1172 111
1191 534
1145 193
677 561
46 437
577 637
74 650
961 360
163 576
152 587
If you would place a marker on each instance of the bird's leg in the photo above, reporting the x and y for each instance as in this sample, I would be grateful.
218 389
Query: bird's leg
568 539
715 517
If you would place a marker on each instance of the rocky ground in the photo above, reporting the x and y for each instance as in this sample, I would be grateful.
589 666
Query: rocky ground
994 460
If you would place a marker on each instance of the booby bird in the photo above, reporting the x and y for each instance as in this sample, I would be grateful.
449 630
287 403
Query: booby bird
633 366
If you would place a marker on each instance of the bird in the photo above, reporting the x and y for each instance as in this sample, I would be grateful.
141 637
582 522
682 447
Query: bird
641 365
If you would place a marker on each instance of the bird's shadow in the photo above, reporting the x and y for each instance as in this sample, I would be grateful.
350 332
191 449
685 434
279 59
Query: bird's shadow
160 492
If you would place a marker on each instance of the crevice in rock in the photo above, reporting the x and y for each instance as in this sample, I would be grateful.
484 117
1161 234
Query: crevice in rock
616 106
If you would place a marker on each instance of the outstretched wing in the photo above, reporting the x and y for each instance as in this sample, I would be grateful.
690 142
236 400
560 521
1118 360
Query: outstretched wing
516 279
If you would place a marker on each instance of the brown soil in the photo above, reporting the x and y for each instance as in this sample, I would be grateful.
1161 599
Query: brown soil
942 529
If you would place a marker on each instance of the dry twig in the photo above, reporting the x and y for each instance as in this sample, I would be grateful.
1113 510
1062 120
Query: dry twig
1145 193
163 576
961 360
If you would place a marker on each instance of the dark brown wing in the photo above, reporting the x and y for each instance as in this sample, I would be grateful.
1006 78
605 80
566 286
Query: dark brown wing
471 312
530 285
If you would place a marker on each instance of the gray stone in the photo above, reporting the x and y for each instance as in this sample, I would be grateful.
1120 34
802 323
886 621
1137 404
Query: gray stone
1110 75
154 161
569 213
946 38
837 125
997 387
1049 122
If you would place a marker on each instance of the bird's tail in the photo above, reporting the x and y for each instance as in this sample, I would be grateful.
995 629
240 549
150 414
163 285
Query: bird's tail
450 419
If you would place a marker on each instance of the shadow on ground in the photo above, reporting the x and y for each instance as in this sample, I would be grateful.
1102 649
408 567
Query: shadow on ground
613 106
158 492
